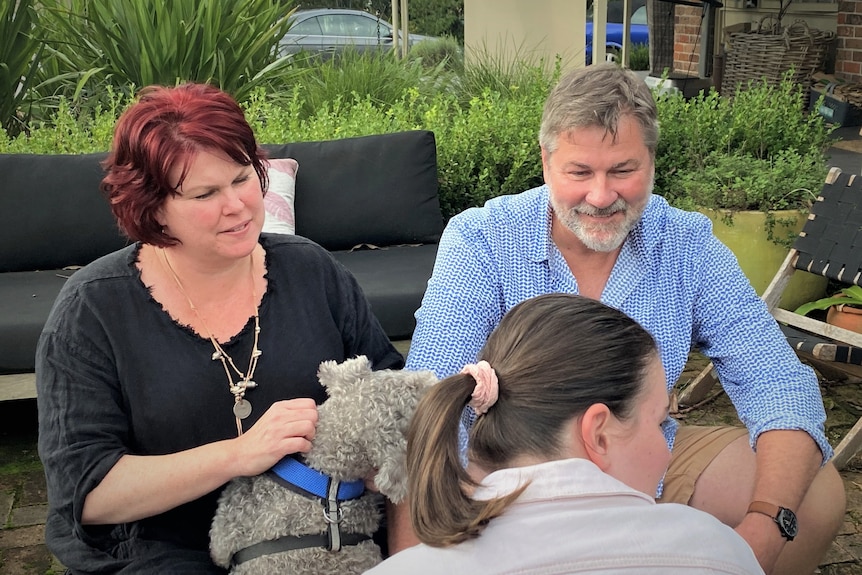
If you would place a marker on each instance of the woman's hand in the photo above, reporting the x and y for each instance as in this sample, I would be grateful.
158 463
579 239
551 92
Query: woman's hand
370 485
286 427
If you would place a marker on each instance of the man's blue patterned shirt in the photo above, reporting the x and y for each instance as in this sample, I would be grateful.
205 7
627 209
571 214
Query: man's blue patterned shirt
672 275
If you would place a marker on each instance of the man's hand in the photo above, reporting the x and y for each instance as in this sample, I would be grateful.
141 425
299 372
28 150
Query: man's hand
763 536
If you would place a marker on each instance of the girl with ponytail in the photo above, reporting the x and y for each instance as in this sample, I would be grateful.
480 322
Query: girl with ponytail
563 461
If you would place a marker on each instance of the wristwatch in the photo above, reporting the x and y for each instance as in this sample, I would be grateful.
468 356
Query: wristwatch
783 517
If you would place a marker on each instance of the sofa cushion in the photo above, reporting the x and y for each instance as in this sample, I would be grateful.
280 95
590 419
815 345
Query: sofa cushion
54 201
279 199
26 299
393 280
379 190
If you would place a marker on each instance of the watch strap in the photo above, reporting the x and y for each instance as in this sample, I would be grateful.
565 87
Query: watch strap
764 508
783 517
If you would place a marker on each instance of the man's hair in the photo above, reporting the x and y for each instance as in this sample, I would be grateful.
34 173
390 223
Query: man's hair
598 96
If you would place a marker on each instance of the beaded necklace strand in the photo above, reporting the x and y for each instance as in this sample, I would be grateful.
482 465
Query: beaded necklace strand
244 382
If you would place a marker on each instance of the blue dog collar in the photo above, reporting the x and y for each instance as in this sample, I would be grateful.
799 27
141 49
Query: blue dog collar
312 481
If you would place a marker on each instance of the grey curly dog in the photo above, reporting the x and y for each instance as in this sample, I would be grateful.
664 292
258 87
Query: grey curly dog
315 516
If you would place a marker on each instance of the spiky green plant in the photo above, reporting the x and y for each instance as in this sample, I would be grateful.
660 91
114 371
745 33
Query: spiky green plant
376 76
95 43
20 54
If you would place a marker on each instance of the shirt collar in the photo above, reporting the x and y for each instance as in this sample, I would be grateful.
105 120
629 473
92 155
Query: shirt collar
563 478
540 249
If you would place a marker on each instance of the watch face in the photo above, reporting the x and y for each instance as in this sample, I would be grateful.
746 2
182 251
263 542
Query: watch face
787 521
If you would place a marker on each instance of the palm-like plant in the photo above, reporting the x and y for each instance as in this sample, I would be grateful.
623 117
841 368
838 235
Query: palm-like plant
851 295
20 53
233 44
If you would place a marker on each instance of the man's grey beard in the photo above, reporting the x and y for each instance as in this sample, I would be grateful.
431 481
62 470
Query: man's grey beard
597 236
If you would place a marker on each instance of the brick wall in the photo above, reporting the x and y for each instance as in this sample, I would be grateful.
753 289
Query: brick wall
848 49
686 41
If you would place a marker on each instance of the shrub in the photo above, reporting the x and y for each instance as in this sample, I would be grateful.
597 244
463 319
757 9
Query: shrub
639 57
484 149
438 18
760 150
378 76
20 56
518 74
764 134
444 50
94 44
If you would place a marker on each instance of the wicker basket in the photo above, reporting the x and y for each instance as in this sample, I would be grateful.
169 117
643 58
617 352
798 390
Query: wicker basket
770 52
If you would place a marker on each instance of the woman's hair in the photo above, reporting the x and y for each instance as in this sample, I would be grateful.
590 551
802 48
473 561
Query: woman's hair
165 128
598 95
555 355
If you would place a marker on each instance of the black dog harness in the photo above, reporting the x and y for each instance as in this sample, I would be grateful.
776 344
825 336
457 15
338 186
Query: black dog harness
298 477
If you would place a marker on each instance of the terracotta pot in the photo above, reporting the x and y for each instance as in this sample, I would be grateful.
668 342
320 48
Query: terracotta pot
845 316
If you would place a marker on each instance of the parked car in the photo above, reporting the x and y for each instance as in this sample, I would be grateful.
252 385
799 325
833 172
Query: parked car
328 31
614 29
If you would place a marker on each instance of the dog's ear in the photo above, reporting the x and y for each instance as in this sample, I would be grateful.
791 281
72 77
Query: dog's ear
337 377
388 449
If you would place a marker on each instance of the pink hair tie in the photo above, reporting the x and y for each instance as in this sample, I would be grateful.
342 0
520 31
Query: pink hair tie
487 389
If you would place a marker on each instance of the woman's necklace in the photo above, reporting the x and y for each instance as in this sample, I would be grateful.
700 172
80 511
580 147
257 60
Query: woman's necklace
241 406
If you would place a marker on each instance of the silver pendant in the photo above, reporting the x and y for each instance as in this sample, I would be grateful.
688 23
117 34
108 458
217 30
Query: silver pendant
242 409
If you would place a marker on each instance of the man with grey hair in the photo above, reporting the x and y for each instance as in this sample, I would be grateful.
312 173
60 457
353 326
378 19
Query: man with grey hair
595 229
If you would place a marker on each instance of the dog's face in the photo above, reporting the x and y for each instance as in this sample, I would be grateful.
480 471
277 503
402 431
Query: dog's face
363 425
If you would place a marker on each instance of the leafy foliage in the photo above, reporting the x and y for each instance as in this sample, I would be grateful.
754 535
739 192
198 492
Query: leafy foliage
445 50
378 76
484 149
437 18
733 181
760 150
96 43
518 74
20 53
851 295
639 57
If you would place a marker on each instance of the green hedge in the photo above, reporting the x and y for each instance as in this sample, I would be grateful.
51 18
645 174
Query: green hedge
485 148
709 149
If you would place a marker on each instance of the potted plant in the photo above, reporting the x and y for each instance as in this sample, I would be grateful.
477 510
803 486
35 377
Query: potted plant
753 164
844 308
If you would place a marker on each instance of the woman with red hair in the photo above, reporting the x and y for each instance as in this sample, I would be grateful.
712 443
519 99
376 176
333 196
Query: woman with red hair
189 357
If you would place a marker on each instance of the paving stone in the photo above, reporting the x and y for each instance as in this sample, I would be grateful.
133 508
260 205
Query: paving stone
30 515
849 528
840 569
33 488
6 502
838 553
28 561
22 537
854 546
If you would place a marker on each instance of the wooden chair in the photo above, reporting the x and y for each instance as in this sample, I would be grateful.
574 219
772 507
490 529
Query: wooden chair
830 244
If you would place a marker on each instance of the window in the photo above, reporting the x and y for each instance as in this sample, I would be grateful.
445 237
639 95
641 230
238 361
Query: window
310 27
615 11
352 25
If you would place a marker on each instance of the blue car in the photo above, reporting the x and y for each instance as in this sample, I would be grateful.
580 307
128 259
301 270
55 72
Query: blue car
614 30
